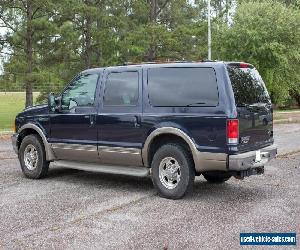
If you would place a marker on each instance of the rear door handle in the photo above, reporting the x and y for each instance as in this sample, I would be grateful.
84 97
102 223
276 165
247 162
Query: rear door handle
137 121
92 119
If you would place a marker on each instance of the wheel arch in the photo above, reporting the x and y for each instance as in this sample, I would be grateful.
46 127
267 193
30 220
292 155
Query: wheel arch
172 133
31 128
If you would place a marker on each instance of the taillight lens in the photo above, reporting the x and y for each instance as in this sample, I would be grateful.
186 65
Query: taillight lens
233 131
244 65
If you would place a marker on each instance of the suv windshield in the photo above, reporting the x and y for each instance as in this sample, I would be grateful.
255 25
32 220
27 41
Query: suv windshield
248 86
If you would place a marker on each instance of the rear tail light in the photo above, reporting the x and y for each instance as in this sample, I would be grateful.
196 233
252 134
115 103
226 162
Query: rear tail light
233 131
244 65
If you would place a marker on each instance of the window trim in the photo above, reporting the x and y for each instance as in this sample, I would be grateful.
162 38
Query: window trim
138 90
184 106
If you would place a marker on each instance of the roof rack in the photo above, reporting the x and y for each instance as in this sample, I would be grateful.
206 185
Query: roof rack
158 62
167 61
207 60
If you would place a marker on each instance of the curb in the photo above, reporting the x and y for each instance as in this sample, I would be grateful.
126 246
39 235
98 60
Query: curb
6 133
287 112
285 121
285 155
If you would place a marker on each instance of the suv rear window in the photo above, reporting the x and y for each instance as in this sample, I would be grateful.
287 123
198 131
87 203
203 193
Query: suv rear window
248 86
182 87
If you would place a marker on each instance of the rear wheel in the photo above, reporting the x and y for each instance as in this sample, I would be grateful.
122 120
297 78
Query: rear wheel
173 171
32 157
216 177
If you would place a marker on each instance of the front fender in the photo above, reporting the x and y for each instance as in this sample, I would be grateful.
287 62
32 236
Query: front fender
49 153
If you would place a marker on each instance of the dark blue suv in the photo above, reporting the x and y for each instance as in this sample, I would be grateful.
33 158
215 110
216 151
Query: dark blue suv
169 121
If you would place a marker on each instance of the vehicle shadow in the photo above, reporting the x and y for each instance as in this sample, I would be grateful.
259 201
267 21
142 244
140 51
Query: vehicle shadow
233 190
101 180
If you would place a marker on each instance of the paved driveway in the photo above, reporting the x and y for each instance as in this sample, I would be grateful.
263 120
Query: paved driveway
73 209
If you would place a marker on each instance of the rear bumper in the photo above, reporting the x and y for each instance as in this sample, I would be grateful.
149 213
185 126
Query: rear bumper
249 160
14 141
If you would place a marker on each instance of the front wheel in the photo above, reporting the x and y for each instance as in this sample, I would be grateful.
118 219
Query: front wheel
173 172
32 157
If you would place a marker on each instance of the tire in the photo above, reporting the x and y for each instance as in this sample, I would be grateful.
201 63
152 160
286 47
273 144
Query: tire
217 178
178 179
34 165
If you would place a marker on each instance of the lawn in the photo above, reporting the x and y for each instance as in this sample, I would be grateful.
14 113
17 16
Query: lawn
11 103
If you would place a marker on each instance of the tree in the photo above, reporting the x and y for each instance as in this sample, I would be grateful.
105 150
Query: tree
165 30
266 34
24 20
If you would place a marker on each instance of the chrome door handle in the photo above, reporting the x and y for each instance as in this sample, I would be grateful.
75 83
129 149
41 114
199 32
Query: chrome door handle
136 121
92 119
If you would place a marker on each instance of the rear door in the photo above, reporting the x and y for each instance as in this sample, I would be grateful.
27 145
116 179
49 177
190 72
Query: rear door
119 119
254 107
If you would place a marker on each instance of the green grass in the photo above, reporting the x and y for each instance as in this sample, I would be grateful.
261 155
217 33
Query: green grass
11 103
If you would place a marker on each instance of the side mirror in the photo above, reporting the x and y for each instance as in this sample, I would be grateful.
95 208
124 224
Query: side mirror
51 102
54 103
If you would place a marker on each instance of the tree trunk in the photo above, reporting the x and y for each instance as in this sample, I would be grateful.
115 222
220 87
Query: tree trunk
29 52
227 8
87 42
153 18
99 47
295 93
153 11
88 39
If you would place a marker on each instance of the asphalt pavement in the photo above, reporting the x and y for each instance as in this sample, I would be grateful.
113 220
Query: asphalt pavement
73 209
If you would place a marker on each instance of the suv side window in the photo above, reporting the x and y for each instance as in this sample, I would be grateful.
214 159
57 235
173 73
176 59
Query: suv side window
121 89
80 92
182 87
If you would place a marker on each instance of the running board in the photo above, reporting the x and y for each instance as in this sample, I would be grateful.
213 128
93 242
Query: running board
111 169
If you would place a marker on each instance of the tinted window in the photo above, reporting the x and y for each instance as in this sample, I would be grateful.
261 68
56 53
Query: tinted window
121 89
248 86
80 92
177 87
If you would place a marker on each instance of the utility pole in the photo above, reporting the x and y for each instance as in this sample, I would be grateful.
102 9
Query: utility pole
209 30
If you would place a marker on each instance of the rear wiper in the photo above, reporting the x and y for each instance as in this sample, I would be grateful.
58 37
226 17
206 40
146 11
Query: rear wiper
196 103
259 104
254 106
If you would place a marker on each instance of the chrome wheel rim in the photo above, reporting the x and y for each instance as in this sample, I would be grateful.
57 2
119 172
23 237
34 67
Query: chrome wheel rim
169 172
31 157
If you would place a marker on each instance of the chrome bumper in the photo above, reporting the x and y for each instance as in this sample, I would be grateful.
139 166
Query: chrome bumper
14 141
249 160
